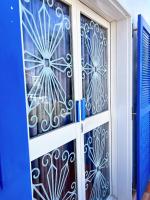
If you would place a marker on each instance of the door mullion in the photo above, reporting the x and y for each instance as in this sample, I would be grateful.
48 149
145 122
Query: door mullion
96 126
80 166
78 96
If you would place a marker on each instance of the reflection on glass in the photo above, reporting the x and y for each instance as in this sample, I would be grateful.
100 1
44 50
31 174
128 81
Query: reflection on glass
97 165
48 64
94 66
54 174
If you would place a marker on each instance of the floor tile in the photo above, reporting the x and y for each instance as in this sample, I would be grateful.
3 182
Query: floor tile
146 196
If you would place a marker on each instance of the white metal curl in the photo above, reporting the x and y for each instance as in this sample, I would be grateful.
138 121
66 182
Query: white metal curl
47 91
94 40
95 151
56 181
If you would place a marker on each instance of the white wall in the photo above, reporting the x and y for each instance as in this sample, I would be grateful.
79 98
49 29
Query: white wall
135 7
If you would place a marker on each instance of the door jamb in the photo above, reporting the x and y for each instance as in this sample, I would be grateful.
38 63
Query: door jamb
121 89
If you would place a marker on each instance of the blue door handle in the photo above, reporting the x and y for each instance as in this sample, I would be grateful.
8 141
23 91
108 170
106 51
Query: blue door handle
80 110
77 111
83 114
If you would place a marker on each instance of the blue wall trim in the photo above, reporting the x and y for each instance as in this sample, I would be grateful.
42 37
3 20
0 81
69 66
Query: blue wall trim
15 165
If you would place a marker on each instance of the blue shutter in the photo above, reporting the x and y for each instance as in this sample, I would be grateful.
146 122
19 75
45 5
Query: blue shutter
143 107
14 153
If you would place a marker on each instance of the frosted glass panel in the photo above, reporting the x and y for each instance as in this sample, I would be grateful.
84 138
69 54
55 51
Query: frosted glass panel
94 66
48 64
54 174
97 165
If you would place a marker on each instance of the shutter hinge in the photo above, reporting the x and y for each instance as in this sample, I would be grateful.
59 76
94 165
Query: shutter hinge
133 116
134 30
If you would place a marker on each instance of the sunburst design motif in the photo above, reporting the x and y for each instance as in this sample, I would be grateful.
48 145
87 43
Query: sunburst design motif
95 151
46 89
94 66
56 177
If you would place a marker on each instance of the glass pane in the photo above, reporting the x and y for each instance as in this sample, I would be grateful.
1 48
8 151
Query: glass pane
97 165
94 66
54 174
48 64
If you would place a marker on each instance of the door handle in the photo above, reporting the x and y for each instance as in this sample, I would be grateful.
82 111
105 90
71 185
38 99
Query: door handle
78 111
83 114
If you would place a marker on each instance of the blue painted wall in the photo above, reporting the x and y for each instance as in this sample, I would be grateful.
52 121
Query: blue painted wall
14 155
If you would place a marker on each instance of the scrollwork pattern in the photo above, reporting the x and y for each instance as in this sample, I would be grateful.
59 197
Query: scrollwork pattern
55 178
95 151
46 91
94 65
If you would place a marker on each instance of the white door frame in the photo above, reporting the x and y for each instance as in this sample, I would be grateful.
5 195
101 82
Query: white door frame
92 122
121 90
45 143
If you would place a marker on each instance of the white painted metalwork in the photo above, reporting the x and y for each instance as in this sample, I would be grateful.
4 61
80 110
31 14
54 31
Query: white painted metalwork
94 66
101 36
55 177
93 121
97 120
98 154
90 123
46 89
52 140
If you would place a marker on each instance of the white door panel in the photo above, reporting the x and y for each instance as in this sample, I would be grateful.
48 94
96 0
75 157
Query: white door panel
66 52
95 69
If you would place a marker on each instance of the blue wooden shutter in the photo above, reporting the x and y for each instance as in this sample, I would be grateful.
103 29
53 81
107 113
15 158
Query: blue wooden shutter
14 153
143 107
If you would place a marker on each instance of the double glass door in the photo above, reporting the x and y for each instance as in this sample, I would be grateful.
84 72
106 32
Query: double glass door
66 63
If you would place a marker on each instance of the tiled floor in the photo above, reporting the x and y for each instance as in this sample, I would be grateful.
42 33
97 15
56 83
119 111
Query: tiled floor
146 195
